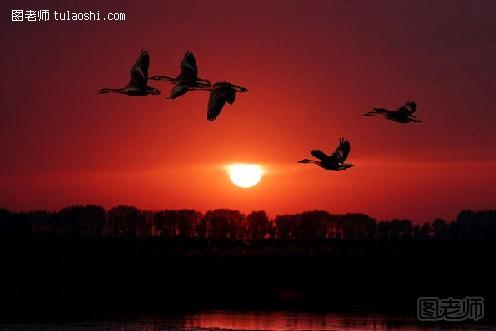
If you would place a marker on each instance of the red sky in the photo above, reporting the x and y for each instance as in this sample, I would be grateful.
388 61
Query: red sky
312 68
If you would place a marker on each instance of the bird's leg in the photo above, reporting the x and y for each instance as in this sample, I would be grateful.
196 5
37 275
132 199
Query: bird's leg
167 78
205 81
201 84
200 88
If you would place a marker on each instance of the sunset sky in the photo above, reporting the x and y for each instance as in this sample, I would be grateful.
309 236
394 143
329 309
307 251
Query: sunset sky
311 67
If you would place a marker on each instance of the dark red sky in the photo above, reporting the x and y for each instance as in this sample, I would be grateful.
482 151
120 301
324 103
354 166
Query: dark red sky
312 68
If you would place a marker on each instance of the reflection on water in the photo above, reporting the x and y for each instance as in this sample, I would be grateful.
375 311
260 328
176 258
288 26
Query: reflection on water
224 320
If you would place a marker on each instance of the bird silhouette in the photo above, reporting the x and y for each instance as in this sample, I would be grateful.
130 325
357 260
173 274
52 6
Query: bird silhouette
403 114
138 85
335 161
187 80
220 93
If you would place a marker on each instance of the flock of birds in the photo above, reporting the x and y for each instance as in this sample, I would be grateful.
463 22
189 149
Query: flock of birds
336 161
187 80
222 92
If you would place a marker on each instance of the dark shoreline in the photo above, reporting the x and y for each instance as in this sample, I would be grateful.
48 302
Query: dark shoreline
81 278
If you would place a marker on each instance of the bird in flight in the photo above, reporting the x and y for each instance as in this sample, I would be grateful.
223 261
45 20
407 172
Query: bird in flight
138 85
220 93
335 161
187 80
403 114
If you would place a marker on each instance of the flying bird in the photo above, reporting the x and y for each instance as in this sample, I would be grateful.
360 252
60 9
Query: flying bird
403 114
187 80
138 85
335 161
220 93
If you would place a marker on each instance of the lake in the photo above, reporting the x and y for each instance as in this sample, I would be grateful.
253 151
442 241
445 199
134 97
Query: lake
231 320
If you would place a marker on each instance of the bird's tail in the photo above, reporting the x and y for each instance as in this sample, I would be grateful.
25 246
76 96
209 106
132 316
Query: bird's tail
380 110
376 111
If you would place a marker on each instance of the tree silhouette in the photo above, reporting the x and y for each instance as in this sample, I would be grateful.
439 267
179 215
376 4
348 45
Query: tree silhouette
313 225
439 229
123 221
176 223
259 226
426 231
7 224
477 225
286 226
384 230
223 224
43 222
79 221
357 226
401 229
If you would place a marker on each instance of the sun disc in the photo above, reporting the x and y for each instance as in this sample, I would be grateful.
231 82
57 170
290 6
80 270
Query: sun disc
245 175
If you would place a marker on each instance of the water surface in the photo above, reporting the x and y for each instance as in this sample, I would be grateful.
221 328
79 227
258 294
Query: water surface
227 320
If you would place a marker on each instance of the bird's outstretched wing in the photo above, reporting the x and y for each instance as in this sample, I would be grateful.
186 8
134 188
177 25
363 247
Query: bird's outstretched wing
188 67
342 150
319 154
139 70
216 102
221 93
178 90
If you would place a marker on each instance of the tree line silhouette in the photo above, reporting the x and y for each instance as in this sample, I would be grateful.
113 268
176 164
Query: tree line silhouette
221 224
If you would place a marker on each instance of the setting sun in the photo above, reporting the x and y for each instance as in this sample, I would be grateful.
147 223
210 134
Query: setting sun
245 175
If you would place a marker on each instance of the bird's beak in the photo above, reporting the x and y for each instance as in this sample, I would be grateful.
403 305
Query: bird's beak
240 88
